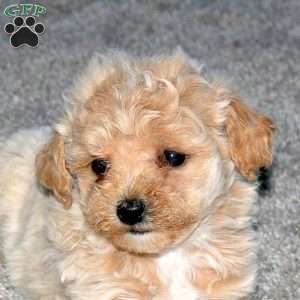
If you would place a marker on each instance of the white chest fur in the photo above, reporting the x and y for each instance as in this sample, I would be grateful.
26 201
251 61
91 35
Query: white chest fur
175 270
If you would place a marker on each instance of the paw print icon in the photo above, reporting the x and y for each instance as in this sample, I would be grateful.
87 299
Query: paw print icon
24 32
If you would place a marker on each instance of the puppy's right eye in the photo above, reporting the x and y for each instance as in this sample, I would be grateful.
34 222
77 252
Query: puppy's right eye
174 159
99 166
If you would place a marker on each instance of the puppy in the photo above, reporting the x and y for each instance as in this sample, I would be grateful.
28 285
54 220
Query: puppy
144 190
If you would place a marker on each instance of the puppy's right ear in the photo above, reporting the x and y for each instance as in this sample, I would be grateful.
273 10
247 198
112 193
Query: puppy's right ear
52 172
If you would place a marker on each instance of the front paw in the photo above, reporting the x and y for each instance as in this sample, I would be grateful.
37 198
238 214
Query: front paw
132 296
130 292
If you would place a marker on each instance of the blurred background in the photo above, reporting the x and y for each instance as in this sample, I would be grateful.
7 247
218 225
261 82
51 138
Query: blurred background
253 45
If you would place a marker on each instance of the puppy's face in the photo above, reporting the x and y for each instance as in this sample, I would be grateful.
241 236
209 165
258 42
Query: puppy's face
146 167
149 155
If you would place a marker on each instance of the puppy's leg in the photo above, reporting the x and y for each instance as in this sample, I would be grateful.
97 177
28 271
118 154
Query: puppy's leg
109 288
231 288
54 297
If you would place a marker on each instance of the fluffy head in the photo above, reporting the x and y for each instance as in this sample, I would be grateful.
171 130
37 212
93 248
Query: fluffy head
128 112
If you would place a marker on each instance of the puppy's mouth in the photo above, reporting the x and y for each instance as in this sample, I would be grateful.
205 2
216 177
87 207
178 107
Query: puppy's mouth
138 232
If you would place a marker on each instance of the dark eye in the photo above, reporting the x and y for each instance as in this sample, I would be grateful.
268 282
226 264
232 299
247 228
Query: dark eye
99 166
174 158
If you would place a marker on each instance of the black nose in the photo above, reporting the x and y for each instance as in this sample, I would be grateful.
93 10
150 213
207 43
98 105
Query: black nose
131 211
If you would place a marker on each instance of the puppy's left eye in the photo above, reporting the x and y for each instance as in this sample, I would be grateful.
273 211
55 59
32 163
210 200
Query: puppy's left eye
99 166
174 158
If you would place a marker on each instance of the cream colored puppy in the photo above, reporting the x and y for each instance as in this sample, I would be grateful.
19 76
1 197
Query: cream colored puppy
140 191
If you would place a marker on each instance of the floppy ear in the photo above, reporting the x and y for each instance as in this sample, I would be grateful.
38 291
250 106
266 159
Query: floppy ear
52 172
250 138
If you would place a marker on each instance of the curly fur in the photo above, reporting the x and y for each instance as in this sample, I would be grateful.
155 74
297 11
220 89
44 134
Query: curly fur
128 111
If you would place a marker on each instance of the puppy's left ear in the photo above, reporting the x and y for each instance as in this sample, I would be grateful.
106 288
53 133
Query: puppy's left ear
249 138
52 172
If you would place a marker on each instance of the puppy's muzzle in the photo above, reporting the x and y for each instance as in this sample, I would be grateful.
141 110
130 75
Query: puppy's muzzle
131 211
